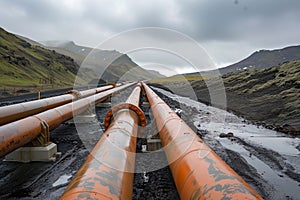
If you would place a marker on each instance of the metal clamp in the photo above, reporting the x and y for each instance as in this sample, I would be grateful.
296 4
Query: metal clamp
75 93
43 139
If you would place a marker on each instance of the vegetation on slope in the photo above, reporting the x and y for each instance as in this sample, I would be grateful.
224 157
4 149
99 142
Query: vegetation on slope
270 95
26 65
23 64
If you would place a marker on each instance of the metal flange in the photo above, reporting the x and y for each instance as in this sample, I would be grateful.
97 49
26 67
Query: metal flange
124 106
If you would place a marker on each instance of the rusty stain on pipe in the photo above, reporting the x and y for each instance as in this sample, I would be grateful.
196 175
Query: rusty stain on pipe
18 111
109 169
19 133
198 172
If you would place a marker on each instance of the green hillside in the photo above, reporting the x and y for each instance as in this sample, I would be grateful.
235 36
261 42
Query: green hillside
24 64
270 96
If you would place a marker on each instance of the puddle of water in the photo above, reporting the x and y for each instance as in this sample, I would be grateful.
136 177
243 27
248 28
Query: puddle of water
62 180
284 185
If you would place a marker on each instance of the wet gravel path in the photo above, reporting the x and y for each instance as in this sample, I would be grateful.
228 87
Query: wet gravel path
37 180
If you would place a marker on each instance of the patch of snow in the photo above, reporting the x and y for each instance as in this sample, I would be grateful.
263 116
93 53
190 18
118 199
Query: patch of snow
145 177
62 180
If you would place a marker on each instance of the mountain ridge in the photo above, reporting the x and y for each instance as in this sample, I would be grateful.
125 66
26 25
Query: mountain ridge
26 65
261 59
113 64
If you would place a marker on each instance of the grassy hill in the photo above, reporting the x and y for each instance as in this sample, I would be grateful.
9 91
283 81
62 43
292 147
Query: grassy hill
270 96
26 65
23 64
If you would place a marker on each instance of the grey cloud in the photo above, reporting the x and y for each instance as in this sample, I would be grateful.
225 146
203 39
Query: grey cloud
224 20
222 26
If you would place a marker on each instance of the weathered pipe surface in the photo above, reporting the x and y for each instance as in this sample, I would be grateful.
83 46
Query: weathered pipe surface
18 111
198 172
19 133
109 169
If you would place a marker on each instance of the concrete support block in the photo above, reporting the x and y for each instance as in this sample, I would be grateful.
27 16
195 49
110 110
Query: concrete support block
153 144
144 148
28 154
103 105
146 104
83 119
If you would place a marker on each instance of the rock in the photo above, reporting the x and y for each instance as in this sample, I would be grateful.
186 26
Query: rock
290 129
178 112
223 135
230 134
286 128
201 132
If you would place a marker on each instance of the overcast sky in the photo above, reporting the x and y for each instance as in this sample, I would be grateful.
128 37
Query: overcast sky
229 30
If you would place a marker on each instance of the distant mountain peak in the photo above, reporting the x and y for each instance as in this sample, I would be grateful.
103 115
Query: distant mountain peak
58 43
264 58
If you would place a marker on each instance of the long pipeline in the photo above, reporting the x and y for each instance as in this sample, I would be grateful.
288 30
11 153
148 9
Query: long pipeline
198 172
23 131
109 169
18 111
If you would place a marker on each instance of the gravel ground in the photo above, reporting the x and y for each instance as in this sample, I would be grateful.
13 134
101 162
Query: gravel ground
38 180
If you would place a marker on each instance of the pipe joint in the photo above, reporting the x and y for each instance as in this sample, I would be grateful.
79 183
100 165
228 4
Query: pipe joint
77 95
124 106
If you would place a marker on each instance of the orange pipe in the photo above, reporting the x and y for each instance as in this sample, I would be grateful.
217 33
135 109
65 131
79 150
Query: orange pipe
19 133
18 111
198 172
109 169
